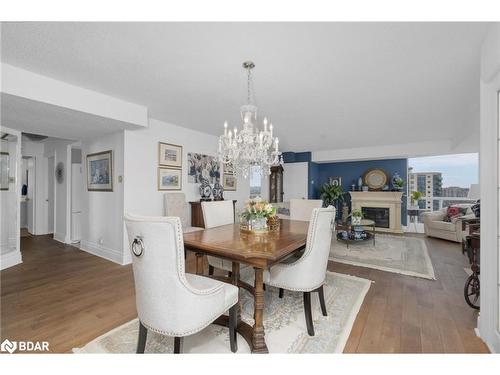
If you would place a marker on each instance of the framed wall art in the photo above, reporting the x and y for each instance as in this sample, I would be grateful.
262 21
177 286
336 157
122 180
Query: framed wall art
169 178
100 171
169 155
229 182
335 180
203 166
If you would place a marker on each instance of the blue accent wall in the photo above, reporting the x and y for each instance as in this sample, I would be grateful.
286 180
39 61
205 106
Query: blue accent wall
296 157
352 170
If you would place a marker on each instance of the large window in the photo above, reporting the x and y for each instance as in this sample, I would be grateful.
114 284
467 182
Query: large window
255 182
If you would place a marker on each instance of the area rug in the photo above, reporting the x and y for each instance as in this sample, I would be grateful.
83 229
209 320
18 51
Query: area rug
284 324
398 254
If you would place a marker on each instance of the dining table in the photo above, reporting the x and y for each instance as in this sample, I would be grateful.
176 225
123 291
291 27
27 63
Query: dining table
257 250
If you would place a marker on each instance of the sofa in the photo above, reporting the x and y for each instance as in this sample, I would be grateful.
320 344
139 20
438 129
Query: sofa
435 226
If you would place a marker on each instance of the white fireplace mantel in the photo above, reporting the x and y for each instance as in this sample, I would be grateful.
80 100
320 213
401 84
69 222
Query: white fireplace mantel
381 199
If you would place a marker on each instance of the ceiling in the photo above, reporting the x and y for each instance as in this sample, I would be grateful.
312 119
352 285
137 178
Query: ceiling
323 85
35 117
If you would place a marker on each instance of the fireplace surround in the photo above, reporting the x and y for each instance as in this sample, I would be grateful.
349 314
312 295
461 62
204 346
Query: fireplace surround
383 207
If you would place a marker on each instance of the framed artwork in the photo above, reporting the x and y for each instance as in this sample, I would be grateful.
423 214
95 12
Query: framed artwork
169 178
228 168
203 166
336 181
229 182
4 170
169 155
100 171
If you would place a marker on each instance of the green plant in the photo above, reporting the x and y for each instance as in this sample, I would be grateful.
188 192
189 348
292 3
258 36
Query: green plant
356 213
415 196
398 182
330 194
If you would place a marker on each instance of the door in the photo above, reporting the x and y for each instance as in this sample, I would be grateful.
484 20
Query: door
30 197
50 195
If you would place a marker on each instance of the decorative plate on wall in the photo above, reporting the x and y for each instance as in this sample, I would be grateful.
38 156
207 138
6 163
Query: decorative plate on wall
375 178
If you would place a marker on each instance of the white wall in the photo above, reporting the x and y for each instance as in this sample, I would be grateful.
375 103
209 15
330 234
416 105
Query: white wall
10 253
295 181
141 163
102 212
489 321
59 149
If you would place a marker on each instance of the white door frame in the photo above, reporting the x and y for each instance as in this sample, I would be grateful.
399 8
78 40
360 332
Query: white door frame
14 257
488 322
33 184
51 176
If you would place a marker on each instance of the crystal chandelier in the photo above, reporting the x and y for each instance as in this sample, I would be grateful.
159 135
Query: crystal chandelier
250 146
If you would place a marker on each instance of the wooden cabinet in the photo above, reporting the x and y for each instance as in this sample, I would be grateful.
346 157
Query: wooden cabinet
276 184
197 214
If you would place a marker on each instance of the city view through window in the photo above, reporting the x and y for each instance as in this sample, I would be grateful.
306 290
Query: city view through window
444 180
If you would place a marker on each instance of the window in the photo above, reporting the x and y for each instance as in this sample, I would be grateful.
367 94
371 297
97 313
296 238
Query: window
255 182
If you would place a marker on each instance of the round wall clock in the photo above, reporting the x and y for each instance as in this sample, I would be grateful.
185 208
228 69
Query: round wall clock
375 178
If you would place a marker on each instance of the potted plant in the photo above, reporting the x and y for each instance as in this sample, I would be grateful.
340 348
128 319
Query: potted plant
258 215
397 182
356 217
331 194
415 197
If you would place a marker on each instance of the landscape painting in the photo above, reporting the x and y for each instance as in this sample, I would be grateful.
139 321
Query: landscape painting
203 166
229 182
169 155
169 179
100 171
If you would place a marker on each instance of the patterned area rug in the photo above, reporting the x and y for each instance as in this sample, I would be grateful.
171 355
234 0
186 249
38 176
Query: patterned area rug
398 254
284 323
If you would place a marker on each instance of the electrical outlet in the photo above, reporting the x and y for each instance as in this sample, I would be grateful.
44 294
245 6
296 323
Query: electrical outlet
101 241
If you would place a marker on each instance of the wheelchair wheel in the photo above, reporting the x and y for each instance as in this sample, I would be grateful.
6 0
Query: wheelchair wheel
471 291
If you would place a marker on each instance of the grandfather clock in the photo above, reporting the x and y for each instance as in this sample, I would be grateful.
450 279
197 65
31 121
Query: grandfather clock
276 184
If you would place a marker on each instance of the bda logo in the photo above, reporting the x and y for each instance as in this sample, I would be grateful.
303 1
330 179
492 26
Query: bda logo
8 346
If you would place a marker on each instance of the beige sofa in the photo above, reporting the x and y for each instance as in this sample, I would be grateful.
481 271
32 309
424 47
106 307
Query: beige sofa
434 226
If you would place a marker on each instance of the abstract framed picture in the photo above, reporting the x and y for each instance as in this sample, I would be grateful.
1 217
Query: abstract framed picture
169 155
229 182
203 167
100 171
336 181
4 170
169 178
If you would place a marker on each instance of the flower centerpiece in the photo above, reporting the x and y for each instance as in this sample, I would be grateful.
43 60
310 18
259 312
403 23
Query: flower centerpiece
258 216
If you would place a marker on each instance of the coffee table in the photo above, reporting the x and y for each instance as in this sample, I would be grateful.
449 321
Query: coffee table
348 227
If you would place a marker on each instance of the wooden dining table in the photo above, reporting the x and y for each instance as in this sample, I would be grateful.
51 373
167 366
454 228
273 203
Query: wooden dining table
260 251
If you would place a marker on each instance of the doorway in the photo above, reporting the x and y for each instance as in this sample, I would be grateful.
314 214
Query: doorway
28 195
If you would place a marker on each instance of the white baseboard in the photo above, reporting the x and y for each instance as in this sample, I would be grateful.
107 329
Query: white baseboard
60 237
10 259
113 255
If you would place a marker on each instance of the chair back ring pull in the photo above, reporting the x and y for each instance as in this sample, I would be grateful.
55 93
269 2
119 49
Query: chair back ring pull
138 246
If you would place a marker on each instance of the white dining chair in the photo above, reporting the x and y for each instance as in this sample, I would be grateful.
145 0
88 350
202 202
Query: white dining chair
175 205
307 274
301 209
216 214
170 301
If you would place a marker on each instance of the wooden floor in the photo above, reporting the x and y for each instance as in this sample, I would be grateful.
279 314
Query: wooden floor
68 297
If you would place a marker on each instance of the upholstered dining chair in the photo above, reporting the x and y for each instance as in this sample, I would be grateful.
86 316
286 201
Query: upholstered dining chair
308 273
170 301
176 205
301 209
216 214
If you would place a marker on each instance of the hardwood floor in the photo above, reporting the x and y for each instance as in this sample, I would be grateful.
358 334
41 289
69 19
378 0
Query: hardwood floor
68 297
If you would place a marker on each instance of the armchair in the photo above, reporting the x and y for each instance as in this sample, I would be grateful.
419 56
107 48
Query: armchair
165 294
435 226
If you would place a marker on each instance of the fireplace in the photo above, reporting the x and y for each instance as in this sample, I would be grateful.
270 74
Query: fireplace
380 215
383 207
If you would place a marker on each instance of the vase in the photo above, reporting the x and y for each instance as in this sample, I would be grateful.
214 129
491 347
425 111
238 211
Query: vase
273 223
258 224
356 220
